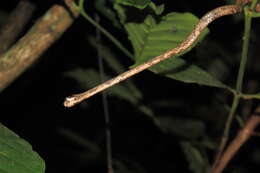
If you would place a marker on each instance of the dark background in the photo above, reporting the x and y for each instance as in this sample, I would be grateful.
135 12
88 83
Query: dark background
32 105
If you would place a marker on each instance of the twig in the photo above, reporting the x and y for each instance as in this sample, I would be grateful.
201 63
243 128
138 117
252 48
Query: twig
254 5
202 24
105 103
102 30
239 83
15 23
241 138
224 138
30 47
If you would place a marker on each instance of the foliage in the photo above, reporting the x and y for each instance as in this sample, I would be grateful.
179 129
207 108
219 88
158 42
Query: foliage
150 39
135 3
16 155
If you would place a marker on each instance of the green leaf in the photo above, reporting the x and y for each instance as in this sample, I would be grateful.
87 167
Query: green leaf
196 161
180 70
128 166
150 39
135 3
186 128
80 140
16 155
121 12
107 12
157 9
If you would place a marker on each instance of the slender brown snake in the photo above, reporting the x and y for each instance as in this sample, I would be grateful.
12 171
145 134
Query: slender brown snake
193 36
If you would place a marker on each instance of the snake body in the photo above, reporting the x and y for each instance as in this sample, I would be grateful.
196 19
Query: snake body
193 36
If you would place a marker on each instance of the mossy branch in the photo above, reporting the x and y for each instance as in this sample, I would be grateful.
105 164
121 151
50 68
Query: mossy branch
33 44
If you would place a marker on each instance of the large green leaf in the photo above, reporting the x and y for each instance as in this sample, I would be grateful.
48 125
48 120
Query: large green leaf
180 70
136 3
16 155
152 38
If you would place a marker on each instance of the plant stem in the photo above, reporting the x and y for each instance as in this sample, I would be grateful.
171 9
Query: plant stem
239 83
246 37
241 138
253 4
228 125
255 15
103 30
250 96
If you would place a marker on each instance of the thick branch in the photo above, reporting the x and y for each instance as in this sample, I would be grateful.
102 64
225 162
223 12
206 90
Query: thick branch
31 46
15 23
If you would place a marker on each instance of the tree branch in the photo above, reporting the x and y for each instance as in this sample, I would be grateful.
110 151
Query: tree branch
32 45
15 24
241 138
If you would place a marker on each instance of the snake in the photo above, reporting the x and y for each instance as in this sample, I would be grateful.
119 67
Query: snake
191 38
